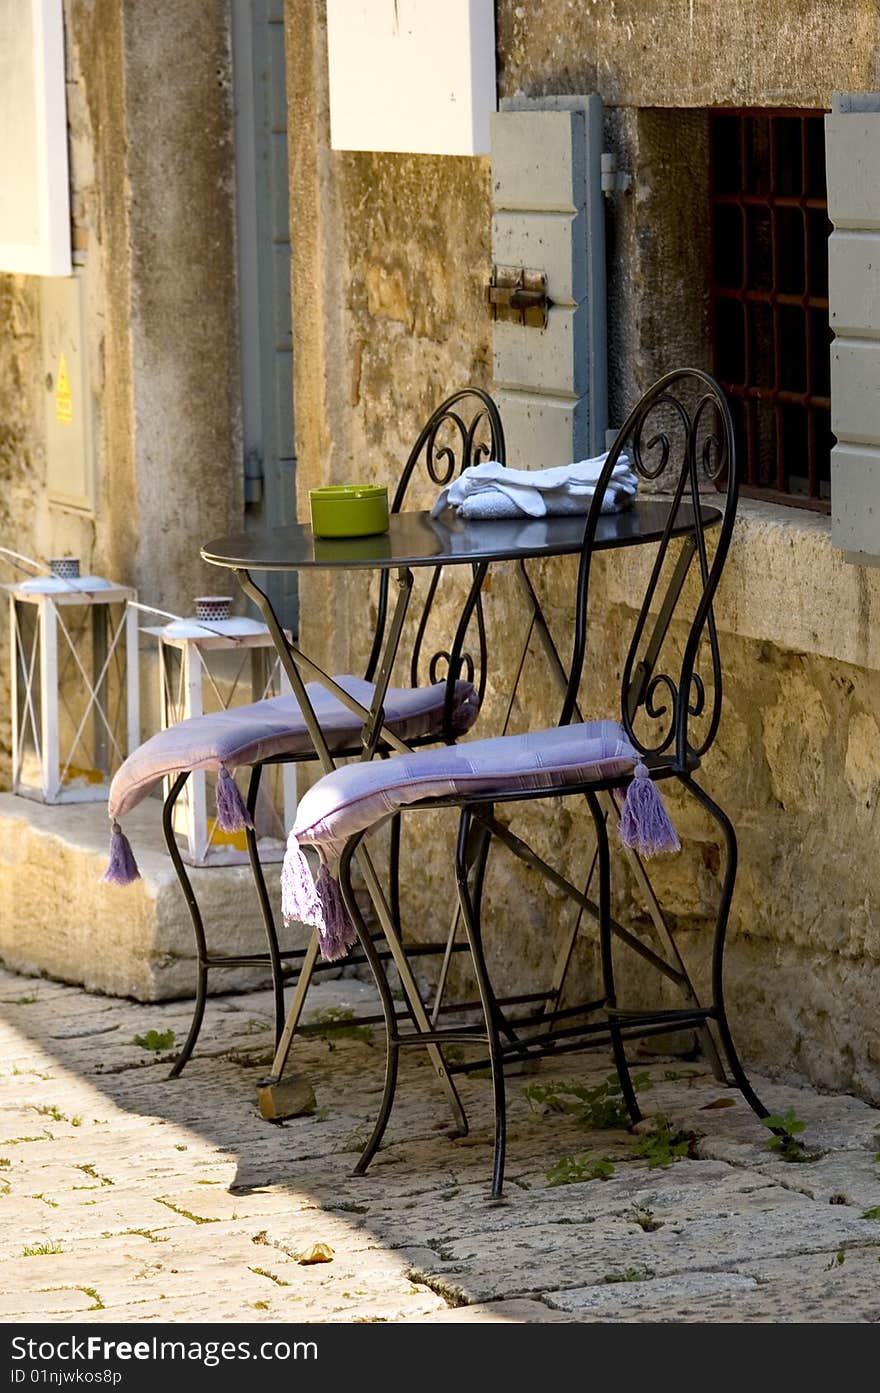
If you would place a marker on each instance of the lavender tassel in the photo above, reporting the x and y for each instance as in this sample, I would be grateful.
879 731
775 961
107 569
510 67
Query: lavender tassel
299 898
122 868
338 933
232 813
645 825
321 905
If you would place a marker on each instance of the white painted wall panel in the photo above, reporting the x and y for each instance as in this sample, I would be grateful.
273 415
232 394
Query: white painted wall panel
34 191
411 76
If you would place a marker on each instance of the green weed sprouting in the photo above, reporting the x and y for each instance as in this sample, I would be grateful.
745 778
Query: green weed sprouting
632 1274
155 1040
600 1107
786 1146
661 1145
331 1025
571 1170
644 1217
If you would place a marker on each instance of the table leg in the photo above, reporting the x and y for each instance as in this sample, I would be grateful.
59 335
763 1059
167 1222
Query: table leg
295 1009
408 982
375 723
290 656
374 728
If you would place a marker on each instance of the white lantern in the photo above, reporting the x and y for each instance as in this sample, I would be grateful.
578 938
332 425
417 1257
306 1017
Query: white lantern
74 646
211 663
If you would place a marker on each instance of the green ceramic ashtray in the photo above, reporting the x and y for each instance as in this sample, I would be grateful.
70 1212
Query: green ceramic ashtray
349 510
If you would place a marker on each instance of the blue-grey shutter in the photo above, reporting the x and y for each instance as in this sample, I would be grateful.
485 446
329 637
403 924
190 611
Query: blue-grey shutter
264 278
547 216
852 146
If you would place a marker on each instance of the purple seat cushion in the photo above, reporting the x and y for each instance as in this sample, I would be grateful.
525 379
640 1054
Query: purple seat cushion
247 734
363 795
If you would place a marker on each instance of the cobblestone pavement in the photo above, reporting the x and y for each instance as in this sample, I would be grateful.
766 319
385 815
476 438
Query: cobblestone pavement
126 1196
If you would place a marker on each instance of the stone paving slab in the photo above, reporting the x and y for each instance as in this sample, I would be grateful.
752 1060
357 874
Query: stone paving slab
128 1196
820 1289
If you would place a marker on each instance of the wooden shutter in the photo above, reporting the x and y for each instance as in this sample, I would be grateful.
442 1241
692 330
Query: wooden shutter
547 216
852 146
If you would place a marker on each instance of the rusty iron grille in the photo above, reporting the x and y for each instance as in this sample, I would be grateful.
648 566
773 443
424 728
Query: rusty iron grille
769 297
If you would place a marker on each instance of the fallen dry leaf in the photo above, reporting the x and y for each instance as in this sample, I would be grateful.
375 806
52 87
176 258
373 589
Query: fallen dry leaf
319 1252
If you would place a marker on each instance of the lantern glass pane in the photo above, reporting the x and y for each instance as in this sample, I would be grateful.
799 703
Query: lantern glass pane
92 713
27 756
202 679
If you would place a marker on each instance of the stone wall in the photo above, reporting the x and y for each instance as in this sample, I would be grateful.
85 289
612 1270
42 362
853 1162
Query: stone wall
152 201
390 252
663 53
390 256
21 466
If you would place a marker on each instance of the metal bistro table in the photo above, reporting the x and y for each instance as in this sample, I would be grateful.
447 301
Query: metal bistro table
415 540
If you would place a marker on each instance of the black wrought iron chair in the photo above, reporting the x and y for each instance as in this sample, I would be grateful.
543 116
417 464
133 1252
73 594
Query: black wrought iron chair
670 706
463 430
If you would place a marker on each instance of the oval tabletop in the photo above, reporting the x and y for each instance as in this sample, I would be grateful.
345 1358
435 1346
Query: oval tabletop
417 539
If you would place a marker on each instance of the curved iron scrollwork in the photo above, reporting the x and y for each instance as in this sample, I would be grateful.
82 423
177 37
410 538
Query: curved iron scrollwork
464 430
465 668
681 434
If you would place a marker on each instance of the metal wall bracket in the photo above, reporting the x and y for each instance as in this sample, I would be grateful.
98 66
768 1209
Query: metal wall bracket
519 296
613 180
253 477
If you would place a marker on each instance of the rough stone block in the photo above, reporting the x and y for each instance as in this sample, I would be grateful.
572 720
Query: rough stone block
58 917
288 1097
617 1298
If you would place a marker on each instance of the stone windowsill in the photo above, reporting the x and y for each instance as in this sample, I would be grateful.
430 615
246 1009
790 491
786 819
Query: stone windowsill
786 583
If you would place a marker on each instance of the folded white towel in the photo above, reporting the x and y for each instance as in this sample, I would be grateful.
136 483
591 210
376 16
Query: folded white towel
490 490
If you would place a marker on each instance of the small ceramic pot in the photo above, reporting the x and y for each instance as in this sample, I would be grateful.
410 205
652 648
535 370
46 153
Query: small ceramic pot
64 567
213 607
349 510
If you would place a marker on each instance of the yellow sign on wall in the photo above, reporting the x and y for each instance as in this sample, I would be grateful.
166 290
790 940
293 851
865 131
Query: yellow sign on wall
63 396
70 467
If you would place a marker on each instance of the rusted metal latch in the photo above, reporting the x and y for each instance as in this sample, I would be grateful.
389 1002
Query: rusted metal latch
519 296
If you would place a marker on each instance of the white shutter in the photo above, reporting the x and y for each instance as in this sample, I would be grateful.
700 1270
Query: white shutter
547 216
852 148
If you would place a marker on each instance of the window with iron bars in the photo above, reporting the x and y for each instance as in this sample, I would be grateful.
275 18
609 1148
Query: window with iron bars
769 297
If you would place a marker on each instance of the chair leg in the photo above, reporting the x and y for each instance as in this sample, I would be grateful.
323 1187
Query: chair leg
606 952
197 923
735 1064
394 871
198 1016
453 935
465 856
392 1040
478 847
265 904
